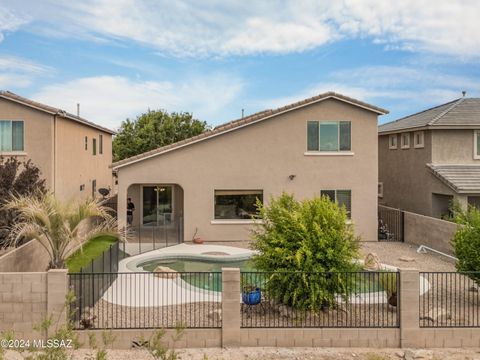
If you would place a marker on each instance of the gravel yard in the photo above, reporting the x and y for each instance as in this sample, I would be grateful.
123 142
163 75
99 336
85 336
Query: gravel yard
405 255
296 354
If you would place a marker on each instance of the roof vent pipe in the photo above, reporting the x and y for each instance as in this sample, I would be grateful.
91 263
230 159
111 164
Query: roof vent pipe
78 109
464 93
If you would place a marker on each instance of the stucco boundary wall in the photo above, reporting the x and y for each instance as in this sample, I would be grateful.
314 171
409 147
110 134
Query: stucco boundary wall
27 298
429 231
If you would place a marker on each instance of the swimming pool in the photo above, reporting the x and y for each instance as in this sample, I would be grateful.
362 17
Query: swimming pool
189 269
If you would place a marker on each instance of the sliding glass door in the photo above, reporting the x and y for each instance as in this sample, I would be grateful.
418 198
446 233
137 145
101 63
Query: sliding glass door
157 205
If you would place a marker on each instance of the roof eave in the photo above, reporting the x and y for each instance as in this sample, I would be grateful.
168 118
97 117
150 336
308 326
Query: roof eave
60 113
125 162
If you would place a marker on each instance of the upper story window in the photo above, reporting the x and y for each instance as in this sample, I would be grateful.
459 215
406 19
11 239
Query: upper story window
392 141
418 139
86 142
94 146
380 189
11 135
405 140
341 197
329 136
100 144
476 144
236 204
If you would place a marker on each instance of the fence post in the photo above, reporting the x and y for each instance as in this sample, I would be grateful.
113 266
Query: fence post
230 307
57 289
410 335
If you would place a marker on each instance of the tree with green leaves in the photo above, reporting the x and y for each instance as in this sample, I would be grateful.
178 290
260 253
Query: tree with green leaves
466 241
307 246
154 129
16 178
59 226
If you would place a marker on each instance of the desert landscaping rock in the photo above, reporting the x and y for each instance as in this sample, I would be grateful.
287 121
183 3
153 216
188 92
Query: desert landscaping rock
262 353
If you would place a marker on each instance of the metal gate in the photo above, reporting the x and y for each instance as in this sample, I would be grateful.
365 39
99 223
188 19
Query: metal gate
391 225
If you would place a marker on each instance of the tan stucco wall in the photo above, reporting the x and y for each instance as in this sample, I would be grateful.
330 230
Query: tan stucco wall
407 182
426 230
453 147
38 130
262 156
31 256
75 165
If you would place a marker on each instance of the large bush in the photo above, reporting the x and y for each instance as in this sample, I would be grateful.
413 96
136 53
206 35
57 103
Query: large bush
16 178
312 244
466 242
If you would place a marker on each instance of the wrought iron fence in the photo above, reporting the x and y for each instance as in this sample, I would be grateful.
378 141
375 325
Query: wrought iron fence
143 238
347 299
449 299
107 261
391 224
146 300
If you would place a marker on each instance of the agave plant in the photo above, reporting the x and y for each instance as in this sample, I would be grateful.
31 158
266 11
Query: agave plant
59 226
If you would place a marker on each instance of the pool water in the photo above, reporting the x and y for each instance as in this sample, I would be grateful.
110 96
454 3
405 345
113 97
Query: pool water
182 265
203 274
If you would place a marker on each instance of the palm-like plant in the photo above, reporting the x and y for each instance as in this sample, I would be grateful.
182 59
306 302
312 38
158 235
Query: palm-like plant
59 226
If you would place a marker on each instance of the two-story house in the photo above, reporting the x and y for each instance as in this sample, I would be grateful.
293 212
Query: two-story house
324 145
73 154
429 158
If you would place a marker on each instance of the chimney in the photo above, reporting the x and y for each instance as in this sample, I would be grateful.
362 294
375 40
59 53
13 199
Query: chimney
78 109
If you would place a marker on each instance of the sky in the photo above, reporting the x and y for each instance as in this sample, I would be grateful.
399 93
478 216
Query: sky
213 58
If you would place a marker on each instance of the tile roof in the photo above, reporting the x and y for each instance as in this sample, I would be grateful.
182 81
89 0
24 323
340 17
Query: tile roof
51 110
460 178
461 112
251 119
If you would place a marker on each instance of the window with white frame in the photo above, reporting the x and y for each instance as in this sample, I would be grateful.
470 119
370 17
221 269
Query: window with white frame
341 197
237 204
329 136
476 144
380 189
418 139
405 140
11 135
392 141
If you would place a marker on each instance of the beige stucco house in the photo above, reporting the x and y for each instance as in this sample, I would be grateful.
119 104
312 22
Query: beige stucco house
73 154
326 144
429 158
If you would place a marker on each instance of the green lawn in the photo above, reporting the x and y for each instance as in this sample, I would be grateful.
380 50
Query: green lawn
90 251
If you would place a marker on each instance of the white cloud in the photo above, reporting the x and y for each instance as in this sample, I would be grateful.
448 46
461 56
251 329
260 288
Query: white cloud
9 21
249 27
17 72
404 88
108 100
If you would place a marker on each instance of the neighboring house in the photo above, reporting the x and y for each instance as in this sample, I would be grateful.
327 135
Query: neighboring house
73 154
429 158
326 144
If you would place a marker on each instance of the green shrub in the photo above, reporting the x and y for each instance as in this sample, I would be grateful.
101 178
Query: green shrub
304 240
466 242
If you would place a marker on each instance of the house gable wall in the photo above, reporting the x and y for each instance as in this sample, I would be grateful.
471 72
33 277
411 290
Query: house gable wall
76 166
262 156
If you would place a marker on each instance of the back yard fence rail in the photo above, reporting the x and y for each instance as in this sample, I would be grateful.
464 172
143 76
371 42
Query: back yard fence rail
449 299
146 300
342 299
107 261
